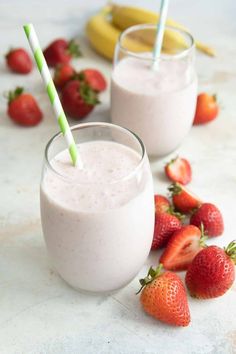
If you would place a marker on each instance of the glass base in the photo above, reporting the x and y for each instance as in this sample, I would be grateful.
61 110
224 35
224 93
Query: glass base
93 292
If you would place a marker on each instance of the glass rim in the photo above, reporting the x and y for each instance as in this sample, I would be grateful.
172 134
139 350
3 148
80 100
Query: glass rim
81 126
137 55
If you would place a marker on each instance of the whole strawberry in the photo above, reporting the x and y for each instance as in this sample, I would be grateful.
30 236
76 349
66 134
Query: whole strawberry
164 297
162 204
183 200
23 108
94 79
212 272
63 73
19 61
60 51
165 225
207 109
210 216
78 99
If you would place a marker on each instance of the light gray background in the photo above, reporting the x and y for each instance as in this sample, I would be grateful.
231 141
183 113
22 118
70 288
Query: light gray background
39 313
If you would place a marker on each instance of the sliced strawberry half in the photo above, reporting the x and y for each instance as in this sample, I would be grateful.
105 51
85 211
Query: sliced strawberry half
183 200
179 170
182 247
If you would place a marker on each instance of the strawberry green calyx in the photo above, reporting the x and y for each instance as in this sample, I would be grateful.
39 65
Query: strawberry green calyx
172 161
9 52
14 94
88 94
203 237
230 250
175 188
152 274
73 49
80 76
193 211
215 97
171 210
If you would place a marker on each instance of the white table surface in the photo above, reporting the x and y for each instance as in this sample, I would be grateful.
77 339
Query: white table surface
39 313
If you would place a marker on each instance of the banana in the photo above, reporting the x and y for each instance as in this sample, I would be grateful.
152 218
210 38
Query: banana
173 42
103 36
126 16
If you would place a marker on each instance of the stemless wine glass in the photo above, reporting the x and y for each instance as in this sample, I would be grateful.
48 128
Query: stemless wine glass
158 105
98 233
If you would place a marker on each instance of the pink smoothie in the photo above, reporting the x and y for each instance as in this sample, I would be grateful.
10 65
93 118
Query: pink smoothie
157 105
98 222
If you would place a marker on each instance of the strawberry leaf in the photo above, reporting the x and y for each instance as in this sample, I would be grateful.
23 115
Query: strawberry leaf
88 94
175 188
12 95
171 210
81 76
152 274
230 250
74 49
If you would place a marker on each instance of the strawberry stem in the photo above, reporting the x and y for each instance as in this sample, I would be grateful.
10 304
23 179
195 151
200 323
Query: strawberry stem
230 250
203 237
152 274
172 161
171 210
175 188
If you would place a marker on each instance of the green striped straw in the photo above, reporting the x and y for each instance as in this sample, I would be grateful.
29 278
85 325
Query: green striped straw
52 93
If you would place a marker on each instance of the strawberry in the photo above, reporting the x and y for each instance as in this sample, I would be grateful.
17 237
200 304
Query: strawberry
19 61
164 297
212 272
210 216
23 108
63 74
61 51
162 204
179 170
78 99
165 225
183 200
94 79
182 247
207 109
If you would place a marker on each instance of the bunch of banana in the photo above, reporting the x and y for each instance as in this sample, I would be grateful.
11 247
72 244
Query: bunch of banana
103 35
104 28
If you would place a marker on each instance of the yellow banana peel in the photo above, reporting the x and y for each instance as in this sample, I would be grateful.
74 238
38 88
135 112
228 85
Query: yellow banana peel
103 37
126 16
104 28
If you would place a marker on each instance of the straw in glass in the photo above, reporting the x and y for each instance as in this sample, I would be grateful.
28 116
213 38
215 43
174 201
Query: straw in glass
160 34
52 93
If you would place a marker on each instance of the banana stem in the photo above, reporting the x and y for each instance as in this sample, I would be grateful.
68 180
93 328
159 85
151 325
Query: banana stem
205 49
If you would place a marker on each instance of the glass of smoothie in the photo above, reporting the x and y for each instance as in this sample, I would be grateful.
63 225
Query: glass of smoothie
97 221
158 105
